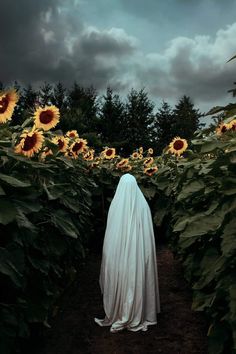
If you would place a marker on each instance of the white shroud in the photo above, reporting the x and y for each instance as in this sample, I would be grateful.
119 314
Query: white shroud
128 275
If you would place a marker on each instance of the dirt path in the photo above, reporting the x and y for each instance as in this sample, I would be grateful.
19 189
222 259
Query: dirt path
179 330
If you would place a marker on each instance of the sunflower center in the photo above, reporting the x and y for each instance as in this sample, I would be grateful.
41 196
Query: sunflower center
46 116
3 104
72 135
109 152
223 129
178 144
60 143
77 146
30 142
234 126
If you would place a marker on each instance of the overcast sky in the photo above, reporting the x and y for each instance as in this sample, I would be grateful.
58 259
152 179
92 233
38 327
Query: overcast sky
170 47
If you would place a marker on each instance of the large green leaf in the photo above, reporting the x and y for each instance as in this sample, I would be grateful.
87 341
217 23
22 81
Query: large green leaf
13 181
63 222
190 188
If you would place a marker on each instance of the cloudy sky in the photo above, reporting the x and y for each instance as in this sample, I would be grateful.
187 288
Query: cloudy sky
170 47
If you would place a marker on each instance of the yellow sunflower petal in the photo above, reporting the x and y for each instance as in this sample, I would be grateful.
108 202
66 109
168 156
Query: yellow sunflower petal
46 117
30 143
72 134
8 102
122 163
61 142
109 153
178 146
150 170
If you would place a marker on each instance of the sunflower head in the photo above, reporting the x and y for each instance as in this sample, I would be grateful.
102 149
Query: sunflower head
109 153
150 151
122 163
140 150
135 155
150 170
222 128
178 146
78 147
8 102
126 168
72 134
46 117
31 142
148 161
61 142
232 125
89 155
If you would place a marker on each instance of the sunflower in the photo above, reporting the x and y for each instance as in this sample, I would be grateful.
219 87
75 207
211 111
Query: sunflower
150 151
31 142
46 117
122 163
148 161
140 150
232 125
46 152
109 153
78 146
89 155
150 170
61 142
178 146
72 134
222 128
126 168
8 102
135 155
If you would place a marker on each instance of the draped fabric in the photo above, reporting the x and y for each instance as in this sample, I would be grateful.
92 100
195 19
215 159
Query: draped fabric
128 275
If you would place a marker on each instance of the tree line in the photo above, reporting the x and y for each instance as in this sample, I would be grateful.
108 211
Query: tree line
109 120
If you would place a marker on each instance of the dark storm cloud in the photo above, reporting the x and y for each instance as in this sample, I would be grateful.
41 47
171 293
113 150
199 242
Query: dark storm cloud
44 40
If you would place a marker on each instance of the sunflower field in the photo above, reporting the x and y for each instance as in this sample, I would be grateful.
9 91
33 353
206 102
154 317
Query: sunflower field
55 190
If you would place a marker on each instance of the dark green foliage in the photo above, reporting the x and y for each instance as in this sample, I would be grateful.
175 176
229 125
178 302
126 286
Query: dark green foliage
46 94
138 121
112 120
163 127
44 225
82 110
186 118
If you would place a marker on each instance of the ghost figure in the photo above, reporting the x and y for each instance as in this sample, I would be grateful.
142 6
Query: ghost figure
128 275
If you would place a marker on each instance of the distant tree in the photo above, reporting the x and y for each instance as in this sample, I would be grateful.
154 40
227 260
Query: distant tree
82 110
30 97
186 118
137 125
45 94
163 127
112 113
59 96
18 114
25 106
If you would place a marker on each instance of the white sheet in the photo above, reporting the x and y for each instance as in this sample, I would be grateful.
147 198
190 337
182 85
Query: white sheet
128 275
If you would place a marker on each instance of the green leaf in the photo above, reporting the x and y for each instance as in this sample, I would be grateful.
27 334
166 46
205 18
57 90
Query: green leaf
7 211
228 245
13 181
10 267
63 222
190 188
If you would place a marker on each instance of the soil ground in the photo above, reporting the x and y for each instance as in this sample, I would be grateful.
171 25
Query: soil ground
179 329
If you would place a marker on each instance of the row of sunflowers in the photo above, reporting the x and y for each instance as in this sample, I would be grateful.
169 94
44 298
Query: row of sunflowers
37 138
